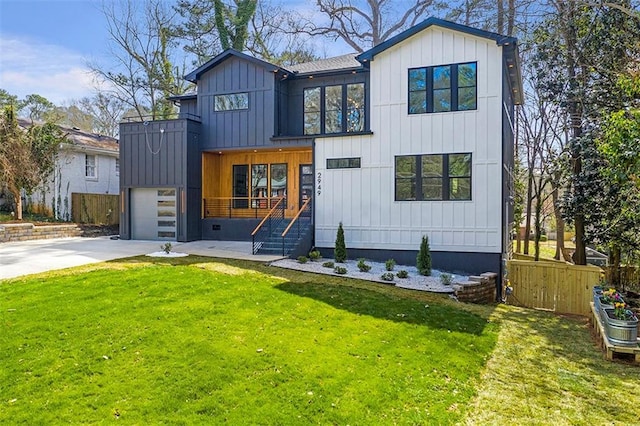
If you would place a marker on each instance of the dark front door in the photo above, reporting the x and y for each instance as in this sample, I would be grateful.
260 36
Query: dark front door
306 184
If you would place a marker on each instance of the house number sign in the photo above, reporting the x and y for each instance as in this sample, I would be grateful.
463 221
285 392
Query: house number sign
319 182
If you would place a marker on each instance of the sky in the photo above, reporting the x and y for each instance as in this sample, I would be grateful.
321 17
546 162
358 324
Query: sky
45 46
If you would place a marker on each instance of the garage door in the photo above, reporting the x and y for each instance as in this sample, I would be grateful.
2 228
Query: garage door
153 214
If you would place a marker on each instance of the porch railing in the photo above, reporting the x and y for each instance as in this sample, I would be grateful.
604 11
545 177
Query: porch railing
294 226
239 207
269 224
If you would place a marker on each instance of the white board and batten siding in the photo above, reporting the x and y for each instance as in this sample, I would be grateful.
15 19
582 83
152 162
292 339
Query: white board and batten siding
364 200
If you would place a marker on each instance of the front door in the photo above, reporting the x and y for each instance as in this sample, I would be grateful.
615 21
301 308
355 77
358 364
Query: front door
306 184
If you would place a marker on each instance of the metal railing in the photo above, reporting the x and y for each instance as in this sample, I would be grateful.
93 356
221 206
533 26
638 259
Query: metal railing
161 117
239 207
305 211
267 225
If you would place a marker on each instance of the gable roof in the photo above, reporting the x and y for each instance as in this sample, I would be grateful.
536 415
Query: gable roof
509 44
80 139
194 75
343 62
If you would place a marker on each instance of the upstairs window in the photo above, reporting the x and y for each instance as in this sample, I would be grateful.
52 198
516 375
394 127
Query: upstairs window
433 177
90 166
443 88
231 102
334 109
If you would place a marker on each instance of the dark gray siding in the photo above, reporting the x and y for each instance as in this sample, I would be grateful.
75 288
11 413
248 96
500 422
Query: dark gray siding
163 154
243 128
189 108
292 110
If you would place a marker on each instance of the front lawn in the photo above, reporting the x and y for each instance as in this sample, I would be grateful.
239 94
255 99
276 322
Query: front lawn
203 341
206 342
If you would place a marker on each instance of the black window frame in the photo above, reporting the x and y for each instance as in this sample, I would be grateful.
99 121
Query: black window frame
238 190
339 163
416 182
345 108
243 108
429 90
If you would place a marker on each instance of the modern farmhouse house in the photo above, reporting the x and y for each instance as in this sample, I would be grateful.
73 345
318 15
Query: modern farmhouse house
413 137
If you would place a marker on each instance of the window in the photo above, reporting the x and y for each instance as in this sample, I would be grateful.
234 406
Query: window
325 107
267 181
90 166
443 88
355 107
117 167
240 186
278 180
312 111
231 102
442 177
343 163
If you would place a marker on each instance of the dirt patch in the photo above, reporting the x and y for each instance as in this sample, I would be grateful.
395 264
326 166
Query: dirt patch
98 230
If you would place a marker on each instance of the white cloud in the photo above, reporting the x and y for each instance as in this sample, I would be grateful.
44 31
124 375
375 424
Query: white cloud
51 71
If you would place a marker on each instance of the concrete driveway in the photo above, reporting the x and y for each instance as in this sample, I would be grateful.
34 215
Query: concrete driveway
31 257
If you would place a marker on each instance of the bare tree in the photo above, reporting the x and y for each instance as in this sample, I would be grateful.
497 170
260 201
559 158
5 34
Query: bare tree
364 23
144 50
106 112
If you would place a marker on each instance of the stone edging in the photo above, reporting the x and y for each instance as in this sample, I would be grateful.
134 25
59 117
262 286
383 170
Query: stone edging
28 231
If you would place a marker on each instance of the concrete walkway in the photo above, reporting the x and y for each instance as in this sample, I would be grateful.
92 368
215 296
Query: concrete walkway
31 257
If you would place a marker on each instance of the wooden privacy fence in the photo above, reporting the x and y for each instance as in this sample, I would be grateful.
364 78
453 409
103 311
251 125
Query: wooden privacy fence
558 287
95 208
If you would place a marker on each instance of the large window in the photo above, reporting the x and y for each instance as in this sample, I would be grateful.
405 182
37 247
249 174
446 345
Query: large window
90 166
262 181
334 109
231 102
443 88
433 177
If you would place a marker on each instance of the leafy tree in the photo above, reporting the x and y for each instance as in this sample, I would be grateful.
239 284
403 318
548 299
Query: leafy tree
423 260
581 50
27 156
340 250
36 107
7 99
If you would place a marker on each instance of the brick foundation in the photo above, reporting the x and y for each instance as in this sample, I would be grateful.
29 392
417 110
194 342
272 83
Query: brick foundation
479 289
28 231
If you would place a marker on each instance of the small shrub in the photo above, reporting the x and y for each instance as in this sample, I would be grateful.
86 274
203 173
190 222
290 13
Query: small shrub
314 255
543 238
340 270
423 261
446 279
340 250
302 259
328 264
362 265
387 276
402 274
166 247
390 264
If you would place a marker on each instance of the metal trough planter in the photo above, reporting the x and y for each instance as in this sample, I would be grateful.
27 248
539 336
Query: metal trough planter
621 332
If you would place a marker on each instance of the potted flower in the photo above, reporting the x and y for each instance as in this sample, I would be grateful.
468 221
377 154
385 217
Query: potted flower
621 325
608 298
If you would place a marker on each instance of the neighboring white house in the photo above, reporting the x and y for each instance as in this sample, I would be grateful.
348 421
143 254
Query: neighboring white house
87 163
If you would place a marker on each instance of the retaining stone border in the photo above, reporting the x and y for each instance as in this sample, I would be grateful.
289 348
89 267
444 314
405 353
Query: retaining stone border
479 289
28 231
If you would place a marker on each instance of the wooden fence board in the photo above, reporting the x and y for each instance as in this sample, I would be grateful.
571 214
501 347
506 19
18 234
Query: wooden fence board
553 286
95 208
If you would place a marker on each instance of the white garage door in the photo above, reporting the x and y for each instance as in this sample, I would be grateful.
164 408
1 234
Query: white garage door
153 214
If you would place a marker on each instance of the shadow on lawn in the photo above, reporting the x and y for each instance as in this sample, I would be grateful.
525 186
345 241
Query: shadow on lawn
357 296
391 307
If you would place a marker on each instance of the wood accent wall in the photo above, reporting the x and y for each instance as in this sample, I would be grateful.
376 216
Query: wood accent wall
217 171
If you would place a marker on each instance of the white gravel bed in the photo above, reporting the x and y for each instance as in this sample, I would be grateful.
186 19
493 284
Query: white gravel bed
415 281
164 254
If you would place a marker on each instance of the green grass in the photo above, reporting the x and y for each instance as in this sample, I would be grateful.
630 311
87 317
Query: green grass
203 341
198 342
